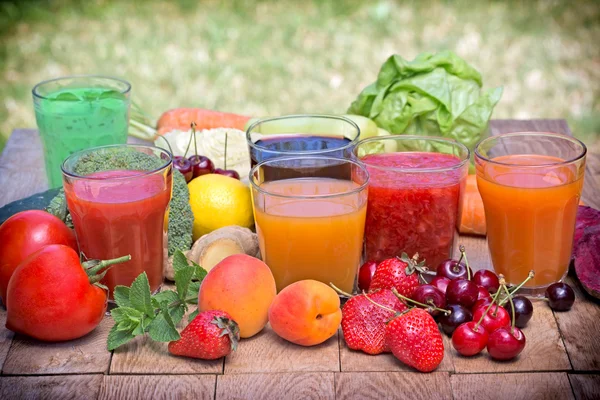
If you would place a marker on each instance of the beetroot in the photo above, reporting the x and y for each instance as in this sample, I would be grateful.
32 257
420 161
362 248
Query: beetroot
586 250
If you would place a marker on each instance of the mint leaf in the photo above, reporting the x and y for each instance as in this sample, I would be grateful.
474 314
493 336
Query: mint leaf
193 315
117 338
162 329
199 272
180 261
169 296
139 295
193 291
177 313
121 294
122 314
183 274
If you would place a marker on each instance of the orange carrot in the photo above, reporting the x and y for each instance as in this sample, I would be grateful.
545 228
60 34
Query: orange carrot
181 118
472 219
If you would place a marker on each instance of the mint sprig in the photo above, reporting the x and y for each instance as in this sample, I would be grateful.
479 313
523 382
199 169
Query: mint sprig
139 312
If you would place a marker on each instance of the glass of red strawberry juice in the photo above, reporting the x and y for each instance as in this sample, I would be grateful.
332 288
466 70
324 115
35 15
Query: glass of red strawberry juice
415 195
120 211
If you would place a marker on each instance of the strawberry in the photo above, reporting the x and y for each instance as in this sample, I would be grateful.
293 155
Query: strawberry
211 335
414 338
401 273
363 322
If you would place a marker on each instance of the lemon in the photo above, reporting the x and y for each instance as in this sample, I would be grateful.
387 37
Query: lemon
218 201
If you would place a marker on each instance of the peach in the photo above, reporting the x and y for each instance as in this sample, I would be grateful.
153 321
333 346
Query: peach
306 313
242 286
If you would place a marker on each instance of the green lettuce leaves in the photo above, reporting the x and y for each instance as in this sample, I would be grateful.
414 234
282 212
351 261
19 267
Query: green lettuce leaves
434 95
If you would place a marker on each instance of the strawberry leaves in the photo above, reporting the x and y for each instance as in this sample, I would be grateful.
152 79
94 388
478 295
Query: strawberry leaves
139 312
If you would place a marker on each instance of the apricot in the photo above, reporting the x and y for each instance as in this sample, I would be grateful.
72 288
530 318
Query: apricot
306 313
243 287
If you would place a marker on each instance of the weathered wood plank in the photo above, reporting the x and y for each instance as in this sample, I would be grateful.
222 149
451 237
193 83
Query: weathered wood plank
267 352
392 385
154 387
356 361
585 387
84 355
579 328
6 337
535 386
64 387
276 386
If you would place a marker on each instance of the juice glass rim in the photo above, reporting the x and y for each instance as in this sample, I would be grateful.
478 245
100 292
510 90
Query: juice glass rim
72 174
304 152
358 189
458 165
560 136
35 92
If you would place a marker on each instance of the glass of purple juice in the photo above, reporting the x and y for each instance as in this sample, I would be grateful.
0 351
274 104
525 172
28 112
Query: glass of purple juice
302 135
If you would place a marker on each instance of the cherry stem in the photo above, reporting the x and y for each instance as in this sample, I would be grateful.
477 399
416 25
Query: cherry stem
380 305
487 310
406 299
463 254
193 125
93 267
340 291
512 307
225 157
511 292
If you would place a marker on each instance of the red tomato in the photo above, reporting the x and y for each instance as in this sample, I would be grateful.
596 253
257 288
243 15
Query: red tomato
51 297
25 233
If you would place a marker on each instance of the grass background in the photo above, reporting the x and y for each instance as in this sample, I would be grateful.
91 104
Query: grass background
277 57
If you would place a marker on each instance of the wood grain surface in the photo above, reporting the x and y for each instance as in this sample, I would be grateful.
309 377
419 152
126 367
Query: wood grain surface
564 345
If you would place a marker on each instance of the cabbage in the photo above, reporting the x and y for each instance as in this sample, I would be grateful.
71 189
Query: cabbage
434 95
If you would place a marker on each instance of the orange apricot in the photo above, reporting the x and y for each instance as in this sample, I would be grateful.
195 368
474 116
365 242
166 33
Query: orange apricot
306 313
243 287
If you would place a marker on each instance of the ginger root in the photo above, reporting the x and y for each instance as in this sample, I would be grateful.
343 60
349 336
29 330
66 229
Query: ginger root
213 247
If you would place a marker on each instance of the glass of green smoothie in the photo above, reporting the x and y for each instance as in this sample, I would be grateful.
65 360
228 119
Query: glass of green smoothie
78 112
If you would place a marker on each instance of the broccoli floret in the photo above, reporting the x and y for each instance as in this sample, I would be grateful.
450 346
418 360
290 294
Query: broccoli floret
181 218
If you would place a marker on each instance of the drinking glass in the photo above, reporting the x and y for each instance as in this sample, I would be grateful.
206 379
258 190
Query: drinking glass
121 209
311 226
415 195
78 112
530 183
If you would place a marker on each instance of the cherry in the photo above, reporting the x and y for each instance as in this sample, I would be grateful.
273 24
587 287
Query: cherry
523 310
184 166
495 318
440 282
469 339
482 303
482 293
430 295
488 279
457 316
453 269
365 274
202 165
560 296
463 292
228 172
506 343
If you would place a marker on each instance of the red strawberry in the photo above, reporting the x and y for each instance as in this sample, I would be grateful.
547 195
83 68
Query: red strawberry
415 339
401 273
363 323
211 335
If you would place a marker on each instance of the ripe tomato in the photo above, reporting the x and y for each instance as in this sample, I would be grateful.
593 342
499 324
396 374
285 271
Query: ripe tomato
25 233
52 298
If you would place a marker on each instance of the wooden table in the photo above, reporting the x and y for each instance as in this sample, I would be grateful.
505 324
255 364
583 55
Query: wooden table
561 358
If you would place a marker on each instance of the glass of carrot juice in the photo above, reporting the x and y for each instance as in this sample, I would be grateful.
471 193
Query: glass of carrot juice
311 226
415 195
121 209
530 184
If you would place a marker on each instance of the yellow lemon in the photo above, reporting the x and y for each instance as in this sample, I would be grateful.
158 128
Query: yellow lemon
219 201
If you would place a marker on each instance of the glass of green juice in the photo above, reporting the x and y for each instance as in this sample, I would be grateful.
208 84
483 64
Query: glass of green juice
78 112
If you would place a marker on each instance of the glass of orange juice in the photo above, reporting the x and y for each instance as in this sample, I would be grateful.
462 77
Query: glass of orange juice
311 226
530 183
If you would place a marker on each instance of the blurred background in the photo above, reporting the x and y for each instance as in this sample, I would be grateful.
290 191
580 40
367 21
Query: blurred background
278 57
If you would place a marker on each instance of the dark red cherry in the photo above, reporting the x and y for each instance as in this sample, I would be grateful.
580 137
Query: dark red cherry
452 269
487 279
523 310
202 165
228 172
463 292
496 317
560 296
482 293
506 343
457 315
184 166
469 339
430 295
365 274
440 282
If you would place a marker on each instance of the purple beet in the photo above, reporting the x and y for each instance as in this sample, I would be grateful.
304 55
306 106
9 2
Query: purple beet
586 217
587 259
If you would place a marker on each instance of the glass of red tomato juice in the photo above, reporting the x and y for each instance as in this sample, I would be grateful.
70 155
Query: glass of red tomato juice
118 197
415 195
530 183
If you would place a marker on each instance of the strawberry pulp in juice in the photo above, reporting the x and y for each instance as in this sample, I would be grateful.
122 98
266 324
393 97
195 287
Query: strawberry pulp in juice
116 217
413 212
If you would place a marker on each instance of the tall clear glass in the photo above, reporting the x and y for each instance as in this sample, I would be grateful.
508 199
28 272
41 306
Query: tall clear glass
79 112
118 197
311 226
530 183
415 195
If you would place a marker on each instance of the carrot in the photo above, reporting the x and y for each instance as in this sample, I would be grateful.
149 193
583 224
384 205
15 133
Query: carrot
181 118
472 220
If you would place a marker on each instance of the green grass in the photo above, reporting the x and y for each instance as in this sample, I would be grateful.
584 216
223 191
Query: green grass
269 58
